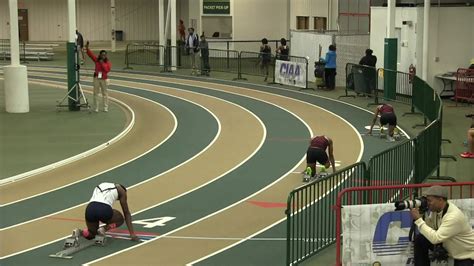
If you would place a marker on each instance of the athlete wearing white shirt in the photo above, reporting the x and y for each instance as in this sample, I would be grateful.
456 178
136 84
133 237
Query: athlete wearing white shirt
100 209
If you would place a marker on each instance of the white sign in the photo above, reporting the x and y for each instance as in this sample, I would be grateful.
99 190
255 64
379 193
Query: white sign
290 73
376 233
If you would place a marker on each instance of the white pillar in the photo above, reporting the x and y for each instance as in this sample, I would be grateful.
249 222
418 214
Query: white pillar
16 77
426 29
161 26
173 31
14 35
161 21
112 23
391 19
71 14
174 22
167 23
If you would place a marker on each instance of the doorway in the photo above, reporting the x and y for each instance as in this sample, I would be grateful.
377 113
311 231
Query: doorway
23 24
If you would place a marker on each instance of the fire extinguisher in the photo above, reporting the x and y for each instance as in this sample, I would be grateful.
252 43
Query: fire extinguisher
412 72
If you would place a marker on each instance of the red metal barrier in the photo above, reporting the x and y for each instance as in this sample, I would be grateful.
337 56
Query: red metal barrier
464 85
379 194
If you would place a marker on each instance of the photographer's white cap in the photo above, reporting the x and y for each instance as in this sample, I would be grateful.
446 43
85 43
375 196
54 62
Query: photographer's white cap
437 191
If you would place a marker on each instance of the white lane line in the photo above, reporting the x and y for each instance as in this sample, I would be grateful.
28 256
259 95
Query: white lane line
227 238
201 219
232 205
361 142
138 156
183 194
354 129
271 87
262 141
74 158
146 152
268 227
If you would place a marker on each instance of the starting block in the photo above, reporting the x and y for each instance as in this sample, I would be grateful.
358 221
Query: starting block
384 131
73 245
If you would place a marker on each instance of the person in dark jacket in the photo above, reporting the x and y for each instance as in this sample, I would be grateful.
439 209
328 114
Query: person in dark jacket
265 57
283 51
370 73
368 59
330 68
204 47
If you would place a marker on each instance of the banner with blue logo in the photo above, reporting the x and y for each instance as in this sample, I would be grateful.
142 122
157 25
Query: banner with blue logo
376 234
290 73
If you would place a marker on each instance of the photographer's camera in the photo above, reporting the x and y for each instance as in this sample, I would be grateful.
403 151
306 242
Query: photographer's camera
420 203
439 254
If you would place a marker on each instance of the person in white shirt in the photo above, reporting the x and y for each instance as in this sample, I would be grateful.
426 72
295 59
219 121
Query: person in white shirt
446 225
192 45
100 209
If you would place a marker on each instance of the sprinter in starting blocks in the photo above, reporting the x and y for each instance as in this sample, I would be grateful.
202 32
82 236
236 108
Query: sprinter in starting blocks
76 242
316 152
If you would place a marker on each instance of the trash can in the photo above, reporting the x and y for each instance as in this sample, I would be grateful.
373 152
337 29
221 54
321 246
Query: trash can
319 73
119 35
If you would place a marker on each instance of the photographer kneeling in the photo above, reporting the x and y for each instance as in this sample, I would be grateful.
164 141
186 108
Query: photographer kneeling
445 224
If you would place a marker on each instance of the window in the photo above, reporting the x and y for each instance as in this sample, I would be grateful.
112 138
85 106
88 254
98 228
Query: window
320 23
302 23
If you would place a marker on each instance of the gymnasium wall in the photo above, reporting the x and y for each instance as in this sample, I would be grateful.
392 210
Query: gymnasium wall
138 19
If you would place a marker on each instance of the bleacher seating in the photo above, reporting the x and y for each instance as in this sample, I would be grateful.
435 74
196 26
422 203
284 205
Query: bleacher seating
28 51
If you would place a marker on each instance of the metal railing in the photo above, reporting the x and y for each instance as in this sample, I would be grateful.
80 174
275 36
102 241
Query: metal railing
311 223
410 161
366 80
402 87
203 61
394 166
464 90
362 80
428 151
243 45
257 64
144 54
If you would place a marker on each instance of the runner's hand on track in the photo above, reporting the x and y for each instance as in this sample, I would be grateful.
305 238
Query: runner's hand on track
134 238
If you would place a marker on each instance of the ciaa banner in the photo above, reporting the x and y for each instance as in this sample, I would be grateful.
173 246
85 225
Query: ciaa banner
376 234
290 73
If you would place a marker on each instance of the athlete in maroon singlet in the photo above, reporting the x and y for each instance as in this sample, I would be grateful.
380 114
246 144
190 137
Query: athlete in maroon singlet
387 116
317 153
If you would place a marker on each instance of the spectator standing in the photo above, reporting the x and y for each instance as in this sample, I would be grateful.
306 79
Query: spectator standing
283 51
369 59
330 68
370 73
204 47
265 57
192 45
101 78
